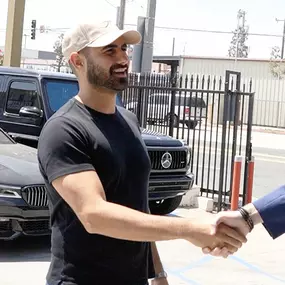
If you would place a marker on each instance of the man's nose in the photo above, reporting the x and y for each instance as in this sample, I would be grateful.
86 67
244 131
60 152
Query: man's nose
123 58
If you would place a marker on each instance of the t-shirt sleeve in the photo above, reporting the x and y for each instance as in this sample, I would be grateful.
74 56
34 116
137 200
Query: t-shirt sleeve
63 149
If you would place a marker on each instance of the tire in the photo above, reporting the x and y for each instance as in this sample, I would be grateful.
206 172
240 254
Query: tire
164 207
191 124
175 121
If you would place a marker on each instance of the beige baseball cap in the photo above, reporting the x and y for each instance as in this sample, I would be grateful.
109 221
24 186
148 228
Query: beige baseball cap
98 34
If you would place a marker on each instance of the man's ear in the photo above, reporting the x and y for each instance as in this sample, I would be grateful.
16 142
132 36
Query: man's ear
76 61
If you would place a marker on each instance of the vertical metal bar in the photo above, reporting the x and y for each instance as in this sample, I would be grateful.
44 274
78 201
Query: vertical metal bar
162 115
205 132
223 143
189 118
199 135
193 138
235 129
185 105
242 119
179 105
172 104
231 97
217 134
140 96
248 146
211 135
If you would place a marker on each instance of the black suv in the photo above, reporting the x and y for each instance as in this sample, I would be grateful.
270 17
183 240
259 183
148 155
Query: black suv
29 98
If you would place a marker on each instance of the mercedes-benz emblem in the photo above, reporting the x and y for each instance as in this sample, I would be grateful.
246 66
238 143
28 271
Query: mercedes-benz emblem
166 160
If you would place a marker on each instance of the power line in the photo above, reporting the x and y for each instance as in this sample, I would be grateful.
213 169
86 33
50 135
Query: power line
178 29
107 1
208 31
115 6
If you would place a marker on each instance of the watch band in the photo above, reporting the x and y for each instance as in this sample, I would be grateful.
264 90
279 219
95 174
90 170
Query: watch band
162 274
247 218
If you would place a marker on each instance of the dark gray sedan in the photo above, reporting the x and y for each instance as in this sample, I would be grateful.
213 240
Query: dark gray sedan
23 199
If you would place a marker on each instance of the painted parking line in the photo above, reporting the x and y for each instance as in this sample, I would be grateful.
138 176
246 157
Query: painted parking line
179 272
256 269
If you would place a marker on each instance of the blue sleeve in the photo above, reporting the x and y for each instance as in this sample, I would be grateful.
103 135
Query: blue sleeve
272 211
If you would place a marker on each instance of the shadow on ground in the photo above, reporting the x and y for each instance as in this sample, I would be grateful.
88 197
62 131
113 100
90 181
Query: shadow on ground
25 249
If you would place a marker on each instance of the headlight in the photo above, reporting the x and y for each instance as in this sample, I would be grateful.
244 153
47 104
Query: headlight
9 192
189 153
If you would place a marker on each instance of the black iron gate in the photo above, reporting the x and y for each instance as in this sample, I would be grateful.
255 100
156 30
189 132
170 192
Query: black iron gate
212 115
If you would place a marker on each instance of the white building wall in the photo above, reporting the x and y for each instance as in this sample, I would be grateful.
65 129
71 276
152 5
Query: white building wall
269 103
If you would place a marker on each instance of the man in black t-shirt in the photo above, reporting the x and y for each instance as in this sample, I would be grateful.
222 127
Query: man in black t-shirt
96 169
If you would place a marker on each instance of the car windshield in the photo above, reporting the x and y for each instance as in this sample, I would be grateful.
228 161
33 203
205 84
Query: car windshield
3 138
60 91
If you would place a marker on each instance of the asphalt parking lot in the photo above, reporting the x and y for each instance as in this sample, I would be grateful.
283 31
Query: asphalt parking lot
261 261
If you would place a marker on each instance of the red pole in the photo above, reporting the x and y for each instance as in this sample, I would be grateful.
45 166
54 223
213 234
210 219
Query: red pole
250 181
236 182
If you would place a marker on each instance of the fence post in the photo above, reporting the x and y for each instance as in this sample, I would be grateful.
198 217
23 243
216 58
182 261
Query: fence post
225 113
250 180
173 97
236 182
248 154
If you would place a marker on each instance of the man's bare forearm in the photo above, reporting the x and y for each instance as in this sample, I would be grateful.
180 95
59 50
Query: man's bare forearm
124 223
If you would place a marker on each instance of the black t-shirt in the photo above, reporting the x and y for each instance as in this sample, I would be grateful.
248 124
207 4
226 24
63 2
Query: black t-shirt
78 138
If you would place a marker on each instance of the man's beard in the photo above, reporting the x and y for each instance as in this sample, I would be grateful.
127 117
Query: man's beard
99 77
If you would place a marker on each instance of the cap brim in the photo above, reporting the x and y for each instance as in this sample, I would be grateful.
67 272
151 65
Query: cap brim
131 37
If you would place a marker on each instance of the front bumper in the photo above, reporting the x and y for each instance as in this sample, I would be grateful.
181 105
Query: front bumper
17 221
169 186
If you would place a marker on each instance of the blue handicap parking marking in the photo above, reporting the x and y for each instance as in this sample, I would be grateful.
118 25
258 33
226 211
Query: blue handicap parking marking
179 272
256 269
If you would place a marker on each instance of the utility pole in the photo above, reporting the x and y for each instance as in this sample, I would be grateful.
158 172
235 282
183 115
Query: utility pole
147 55
283 37
14 33
143 52
121 14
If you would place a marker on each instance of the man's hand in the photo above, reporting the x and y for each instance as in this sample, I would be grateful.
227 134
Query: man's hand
159 281
217 235
231 219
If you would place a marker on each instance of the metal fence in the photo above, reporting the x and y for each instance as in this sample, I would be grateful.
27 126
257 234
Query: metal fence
213 117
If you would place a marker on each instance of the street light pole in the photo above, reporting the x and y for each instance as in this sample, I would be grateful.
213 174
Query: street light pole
283 37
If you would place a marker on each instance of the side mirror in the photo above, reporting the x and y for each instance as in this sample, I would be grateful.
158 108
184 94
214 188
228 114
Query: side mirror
30 112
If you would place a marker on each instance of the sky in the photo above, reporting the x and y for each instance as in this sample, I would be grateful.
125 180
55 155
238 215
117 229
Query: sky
213 15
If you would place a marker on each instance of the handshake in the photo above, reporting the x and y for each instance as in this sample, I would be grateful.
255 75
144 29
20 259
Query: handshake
228 231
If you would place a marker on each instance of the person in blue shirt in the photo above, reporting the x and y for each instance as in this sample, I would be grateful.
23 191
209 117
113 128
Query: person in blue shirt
268 210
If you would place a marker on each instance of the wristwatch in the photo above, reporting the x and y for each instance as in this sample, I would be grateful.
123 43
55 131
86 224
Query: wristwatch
162 274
